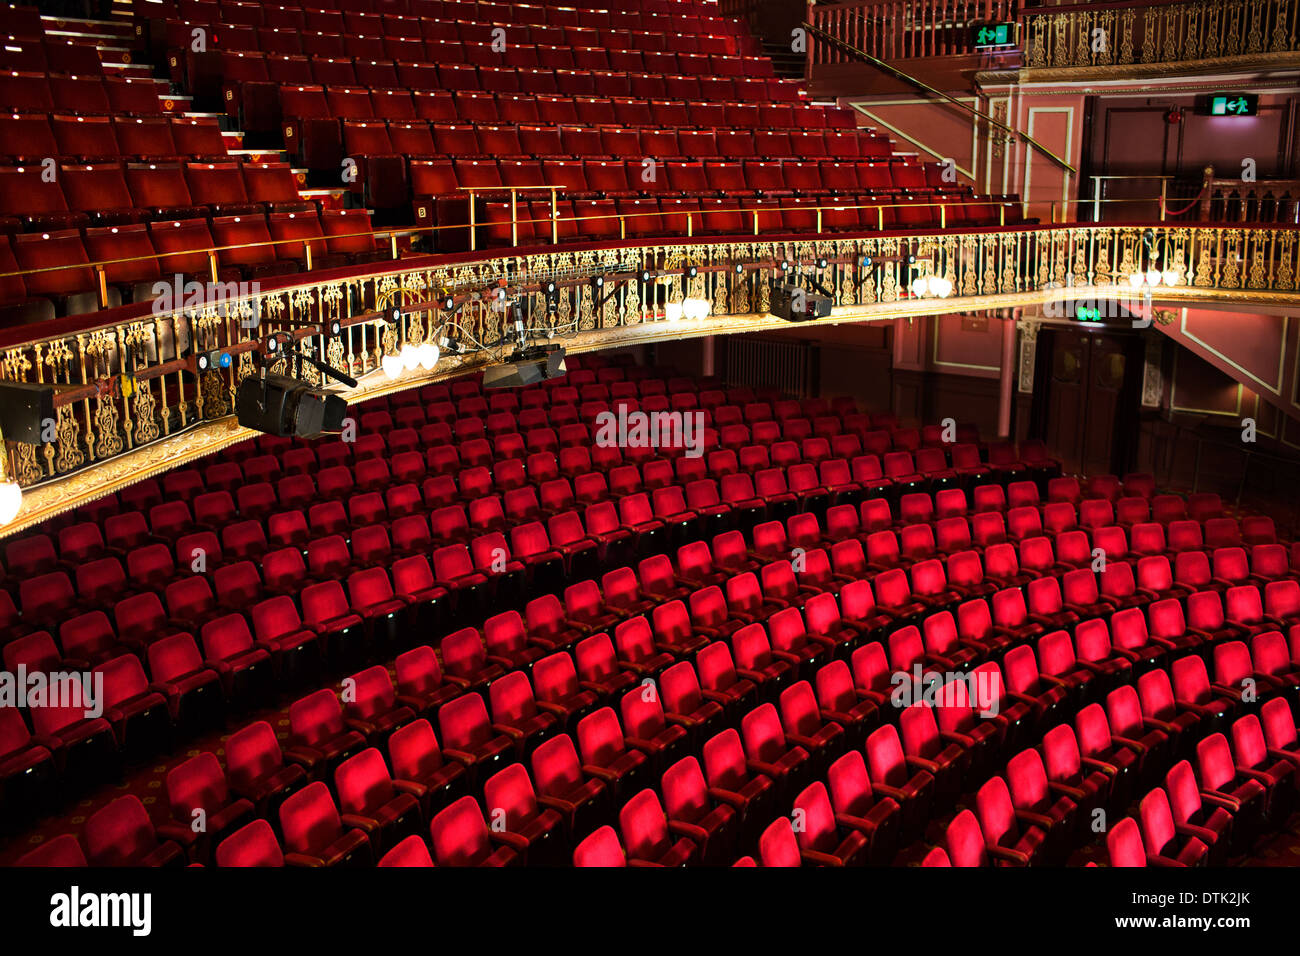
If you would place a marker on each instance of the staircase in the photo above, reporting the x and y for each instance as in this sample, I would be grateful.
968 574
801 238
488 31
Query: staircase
788 64
123 53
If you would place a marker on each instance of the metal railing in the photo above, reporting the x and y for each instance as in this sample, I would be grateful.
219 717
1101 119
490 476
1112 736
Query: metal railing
129 384
1138 32
902 29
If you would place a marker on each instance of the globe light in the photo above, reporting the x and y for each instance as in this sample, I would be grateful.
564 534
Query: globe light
1170 277
11 500
1153 277
695 308
673 311
1136 280
392 365
918 286
428 354
941 287
410 357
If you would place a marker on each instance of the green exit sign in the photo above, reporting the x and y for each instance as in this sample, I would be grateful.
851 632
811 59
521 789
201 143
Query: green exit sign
993 34
1233 104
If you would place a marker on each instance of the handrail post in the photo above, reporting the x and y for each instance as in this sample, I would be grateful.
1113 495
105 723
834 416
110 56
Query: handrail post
514 217
1096 199
555 218
102 276
306 245
473 224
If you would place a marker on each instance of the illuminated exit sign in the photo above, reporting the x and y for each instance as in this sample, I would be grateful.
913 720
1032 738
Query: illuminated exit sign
1233 104
993 34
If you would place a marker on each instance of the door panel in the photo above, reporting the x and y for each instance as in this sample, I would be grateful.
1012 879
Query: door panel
1089 395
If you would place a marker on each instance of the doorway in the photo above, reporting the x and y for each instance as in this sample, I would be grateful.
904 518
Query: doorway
1088 388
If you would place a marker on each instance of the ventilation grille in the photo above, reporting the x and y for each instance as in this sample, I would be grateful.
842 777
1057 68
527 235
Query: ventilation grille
771 363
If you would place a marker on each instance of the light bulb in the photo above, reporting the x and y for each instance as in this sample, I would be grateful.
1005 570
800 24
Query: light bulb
1136 280
11 500
695 308
1170 277
941 287
673 311
392 365
1153 277
428 356
918 286
410 357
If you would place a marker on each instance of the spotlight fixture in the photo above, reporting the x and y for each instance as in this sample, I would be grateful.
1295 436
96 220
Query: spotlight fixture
740 268
865 262
598 284
449 304
692 271
285 407
823 262
24 406
526 367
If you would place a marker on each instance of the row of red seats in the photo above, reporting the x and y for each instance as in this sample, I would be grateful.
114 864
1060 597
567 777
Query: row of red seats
32 137
114 193
85 95
47 54
475 641
665 145
1245 787
389 102
339 52
249 245
420 15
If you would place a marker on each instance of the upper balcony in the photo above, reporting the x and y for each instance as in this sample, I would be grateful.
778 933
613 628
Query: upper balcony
938 40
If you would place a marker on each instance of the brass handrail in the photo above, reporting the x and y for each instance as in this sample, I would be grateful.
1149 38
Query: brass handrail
920 84
820 207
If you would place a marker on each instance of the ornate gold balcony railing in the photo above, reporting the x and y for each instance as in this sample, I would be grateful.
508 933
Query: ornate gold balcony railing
1140 32
131 403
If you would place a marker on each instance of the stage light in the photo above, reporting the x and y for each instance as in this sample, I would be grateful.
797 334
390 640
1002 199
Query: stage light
282 406
527 367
